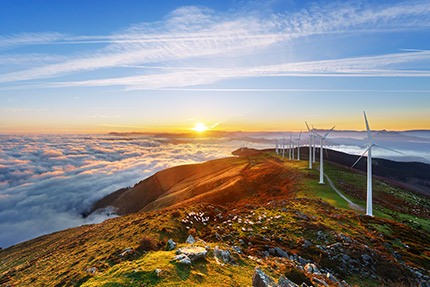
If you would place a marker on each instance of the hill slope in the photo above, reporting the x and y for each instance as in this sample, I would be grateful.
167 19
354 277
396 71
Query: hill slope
272 214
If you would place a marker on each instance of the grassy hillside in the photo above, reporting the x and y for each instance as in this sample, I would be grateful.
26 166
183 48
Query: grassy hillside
277 205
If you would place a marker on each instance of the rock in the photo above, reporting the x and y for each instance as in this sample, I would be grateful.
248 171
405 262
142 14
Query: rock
302 261
366 257
284 282
308 268
280 253
319 282
345 257
237 249
125 252
266 254
190 239
171 244
241 242
260 279
158 272
183 259
92 270
333 279
192 252
223 255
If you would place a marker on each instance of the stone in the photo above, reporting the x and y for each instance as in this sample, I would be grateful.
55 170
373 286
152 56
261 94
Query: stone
193 252
345 257
158 272
260 279
302 261
92 270
280 253
183 259
366 257
319 282
125 252
223 255
171 244
190 239
308 268
284 282
237 249
333 279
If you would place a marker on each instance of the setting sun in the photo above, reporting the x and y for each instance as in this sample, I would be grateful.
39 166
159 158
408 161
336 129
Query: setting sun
199 127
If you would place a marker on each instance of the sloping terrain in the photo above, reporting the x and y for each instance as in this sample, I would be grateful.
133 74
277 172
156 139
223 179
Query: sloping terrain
271 214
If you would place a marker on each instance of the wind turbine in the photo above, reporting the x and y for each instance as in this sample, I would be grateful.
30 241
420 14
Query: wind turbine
310 145
369 207
276 140
321 154
298 145
292 148
283 147
313 143
289 150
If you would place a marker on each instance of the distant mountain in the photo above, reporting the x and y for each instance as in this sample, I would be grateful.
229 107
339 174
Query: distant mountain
396 136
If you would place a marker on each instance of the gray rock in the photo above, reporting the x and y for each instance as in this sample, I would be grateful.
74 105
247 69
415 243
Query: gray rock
158 272
237 249
280 253
284 282
319 282
366 257
223 255
190 239
192 252
171 244
92 270
241 241
333 279
308 268
260 279
302 261
183 259
266 254
345 257
125 252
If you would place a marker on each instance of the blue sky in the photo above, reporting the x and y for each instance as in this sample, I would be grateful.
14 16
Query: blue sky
98 66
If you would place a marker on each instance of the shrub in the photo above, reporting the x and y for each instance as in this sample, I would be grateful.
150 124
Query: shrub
176 213
147 243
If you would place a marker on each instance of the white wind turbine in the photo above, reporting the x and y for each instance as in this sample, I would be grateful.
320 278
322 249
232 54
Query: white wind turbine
289 150
310 145
298 145
313 143
321 154
283 147
369 207
292 147
276 140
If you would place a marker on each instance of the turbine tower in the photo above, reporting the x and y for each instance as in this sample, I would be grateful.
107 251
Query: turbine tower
283 147
289 150
313 144
298 145
276 140
370 144
322 138
310 145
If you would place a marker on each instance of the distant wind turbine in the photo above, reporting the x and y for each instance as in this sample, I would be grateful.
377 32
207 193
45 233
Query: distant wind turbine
322 139
298 145
276 140
310 145
369 207
313 143
289 150
283 147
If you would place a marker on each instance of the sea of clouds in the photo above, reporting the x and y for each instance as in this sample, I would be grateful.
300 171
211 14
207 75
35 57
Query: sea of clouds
48 181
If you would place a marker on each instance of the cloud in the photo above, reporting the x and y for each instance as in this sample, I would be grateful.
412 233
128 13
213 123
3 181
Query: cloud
191 39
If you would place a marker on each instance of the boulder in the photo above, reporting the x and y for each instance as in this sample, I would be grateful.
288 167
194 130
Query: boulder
190 239
158 272
92 270
183 259
223 255
192 252
171 244
126 251
284 282
260 279
280 253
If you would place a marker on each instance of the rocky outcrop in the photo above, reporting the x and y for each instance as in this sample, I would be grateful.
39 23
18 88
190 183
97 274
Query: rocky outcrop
192 252
260 279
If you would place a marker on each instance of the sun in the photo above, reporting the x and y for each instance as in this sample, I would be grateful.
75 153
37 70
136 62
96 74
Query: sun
199 127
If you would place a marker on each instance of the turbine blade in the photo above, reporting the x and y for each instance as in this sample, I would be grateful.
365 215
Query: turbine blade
329 132
367 127
360 157
317 134
390 149
307 126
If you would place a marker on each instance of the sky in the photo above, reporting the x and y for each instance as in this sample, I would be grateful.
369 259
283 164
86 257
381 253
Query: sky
102 65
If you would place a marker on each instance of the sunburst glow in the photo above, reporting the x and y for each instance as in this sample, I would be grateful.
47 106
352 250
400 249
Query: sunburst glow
199 127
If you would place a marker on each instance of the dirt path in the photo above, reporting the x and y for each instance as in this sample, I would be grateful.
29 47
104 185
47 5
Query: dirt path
351 204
